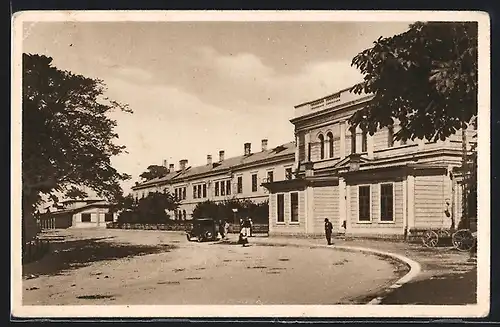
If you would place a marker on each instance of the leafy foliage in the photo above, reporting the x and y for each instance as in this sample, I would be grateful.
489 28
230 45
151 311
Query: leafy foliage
67 137
75 193
154 171
426 78
151 209
259 212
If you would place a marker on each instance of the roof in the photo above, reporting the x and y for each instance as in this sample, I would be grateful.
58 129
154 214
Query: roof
90 205
227 164
153 181
253 158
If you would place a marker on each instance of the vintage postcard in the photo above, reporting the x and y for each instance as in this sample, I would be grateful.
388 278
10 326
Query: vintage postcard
250 164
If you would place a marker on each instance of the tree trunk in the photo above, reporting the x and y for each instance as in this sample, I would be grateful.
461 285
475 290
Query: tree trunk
29 226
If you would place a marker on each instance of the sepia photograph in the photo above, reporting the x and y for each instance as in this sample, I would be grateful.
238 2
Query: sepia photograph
250 164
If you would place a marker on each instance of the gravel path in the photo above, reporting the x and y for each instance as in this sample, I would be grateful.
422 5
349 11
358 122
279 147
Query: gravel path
152 267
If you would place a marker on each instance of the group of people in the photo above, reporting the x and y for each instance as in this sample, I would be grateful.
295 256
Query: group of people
223 228
246 230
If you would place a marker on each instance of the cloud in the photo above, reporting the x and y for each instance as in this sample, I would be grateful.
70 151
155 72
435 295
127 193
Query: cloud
133 73
243 80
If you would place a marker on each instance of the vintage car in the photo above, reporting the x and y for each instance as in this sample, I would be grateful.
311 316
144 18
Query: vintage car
204 229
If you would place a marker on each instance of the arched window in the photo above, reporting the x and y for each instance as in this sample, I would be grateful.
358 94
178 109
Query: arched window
330 144
322 146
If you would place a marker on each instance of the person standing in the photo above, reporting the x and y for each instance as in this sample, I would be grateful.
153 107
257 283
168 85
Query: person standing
226 228
222 230
328 231
250 223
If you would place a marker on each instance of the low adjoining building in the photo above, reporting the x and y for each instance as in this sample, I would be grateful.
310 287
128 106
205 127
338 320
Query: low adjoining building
79 214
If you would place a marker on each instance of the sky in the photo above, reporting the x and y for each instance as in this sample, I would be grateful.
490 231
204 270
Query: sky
200 87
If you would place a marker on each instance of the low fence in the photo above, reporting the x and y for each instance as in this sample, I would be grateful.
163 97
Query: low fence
35 250
256 228
180 226
183 226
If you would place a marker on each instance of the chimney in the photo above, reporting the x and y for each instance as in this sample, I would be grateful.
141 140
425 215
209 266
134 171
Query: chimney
264 144
221 155
164 162
183 164
209 159
248 148
171 167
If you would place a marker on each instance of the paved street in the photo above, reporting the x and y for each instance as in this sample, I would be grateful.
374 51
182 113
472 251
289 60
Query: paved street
152 267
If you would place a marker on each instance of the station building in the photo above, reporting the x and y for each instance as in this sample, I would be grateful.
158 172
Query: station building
372 185
240 177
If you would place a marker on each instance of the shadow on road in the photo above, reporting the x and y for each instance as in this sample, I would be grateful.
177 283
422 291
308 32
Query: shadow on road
74 254
449 289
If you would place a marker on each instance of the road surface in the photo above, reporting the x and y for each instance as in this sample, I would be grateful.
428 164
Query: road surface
127 267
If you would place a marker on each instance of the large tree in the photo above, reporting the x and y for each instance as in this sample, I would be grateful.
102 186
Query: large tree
426 78
67 135
154 171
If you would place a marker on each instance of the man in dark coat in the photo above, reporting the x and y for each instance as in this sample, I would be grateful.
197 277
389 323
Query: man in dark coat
328 231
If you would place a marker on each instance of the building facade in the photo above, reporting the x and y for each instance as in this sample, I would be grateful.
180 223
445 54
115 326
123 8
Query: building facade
88 213
372 185
239 177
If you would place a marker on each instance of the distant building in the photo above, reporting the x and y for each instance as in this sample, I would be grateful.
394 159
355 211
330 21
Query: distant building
378 186
77 213
238 177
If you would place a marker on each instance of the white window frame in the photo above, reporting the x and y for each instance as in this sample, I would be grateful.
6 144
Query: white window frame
270 170
277 209
256 173
393 221
237 178
370 205
298 208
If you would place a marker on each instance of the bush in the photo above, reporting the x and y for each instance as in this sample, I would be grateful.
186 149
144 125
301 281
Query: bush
258 212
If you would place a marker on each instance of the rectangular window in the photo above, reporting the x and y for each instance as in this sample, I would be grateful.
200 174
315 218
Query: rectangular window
390 136
270 176
240 184
254 183
195 193
281 208
199 191
85 217
228 187
353 140
222 188
294 207
309 152
386 202
364 142
216 188
204 190
108 216
364 203
288 173
184 193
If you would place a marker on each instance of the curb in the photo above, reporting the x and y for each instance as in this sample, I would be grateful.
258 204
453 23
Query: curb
414 266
